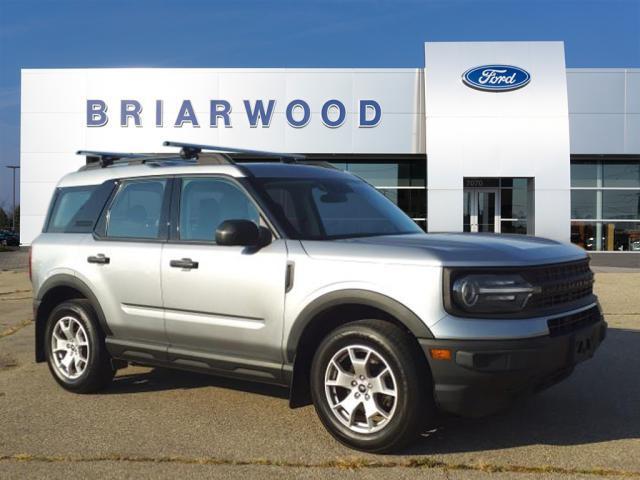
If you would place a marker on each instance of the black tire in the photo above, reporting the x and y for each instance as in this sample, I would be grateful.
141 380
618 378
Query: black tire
99 370
415 408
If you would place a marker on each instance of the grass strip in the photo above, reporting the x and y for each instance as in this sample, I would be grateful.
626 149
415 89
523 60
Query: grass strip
340 463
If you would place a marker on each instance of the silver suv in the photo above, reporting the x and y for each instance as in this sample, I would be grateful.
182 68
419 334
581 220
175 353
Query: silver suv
304 276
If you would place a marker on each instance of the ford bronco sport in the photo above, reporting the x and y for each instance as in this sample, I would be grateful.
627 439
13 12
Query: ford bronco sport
302 276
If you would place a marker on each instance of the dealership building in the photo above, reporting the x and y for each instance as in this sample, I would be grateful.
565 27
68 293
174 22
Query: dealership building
487 137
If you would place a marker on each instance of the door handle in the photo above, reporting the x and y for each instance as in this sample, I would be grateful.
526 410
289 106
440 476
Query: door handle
100 258
184 263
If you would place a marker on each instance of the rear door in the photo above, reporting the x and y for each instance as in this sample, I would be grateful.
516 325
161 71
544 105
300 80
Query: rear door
123 263
224 311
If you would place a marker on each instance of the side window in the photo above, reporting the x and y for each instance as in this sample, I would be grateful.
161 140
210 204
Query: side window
207 202
68 203
136 209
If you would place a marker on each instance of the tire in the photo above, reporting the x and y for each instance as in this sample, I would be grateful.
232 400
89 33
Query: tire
354 410
79 362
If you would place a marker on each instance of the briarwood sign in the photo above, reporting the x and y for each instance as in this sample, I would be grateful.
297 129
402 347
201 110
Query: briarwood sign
259 113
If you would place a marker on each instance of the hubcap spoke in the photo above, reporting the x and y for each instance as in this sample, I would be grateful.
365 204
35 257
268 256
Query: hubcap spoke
66 328
365 399
349 404
378 384
342 379
359 364
66 360
69 347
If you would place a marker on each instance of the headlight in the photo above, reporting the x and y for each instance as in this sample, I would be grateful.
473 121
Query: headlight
489 293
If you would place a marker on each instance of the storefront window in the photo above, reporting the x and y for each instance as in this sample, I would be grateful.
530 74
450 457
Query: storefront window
412 201
606 216
584 235
403 181
583 204
584 173
401 173
620 204
621 236
621 174
514 203
513 226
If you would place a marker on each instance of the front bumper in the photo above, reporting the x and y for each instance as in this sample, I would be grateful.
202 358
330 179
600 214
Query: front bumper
484 376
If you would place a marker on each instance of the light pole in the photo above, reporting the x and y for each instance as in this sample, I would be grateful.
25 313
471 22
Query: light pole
14 168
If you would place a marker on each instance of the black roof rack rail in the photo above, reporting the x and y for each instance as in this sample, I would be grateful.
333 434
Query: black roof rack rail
95 159
191 150
104 159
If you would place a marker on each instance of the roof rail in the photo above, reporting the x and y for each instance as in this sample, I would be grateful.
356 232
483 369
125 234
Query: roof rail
104 159
191 150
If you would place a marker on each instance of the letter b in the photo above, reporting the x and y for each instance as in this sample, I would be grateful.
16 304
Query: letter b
96 113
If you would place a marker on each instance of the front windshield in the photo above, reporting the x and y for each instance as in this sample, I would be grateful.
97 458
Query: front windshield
332 208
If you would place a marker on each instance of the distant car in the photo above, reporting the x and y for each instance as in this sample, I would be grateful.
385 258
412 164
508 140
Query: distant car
9 238
306 277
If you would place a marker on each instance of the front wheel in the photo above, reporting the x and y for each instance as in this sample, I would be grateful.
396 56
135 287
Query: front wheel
371 386
75 348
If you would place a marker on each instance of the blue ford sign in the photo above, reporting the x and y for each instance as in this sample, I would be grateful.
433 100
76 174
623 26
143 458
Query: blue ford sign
496 78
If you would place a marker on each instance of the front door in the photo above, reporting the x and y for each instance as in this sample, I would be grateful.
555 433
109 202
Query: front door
481 210
224 305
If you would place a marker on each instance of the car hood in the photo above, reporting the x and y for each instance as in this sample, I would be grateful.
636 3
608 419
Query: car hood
448 249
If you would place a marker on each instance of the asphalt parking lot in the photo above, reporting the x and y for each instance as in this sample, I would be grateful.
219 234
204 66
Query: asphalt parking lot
157 423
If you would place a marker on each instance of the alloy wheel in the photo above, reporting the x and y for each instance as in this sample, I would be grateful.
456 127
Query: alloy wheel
69 347
361 389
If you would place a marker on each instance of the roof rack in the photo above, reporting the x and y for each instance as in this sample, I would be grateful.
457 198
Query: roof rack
191 150
189 153
104 159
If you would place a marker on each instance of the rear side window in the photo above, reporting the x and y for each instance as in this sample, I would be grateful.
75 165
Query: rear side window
136 210
76 209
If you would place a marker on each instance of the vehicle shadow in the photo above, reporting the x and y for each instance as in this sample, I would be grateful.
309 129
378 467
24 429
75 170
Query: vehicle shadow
159 379
600 402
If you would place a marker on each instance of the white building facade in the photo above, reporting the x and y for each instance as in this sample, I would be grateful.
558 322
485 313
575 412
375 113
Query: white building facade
488 137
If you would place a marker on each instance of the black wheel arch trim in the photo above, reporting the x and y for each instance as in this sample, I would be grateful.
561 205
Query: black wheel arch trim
63 280
353 296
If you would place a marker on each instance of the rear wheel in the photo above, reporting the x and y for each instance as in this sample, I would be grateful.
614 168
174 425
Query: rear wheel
75 348
371 386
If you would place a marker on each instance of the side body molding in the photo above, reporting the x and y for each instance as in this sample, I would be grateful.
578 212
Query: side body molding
365 298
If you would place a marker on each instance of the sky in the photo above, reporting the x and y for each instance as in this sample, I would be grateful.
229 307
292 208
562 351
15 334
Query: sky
275 33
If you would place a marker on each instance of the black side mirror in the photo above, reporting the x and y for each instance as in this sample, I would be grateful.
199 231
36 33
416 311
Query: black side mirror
243 233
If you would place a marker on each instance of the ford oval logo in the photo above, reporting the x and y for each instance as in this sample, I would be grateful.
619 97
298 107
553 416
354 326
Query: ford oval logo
496 78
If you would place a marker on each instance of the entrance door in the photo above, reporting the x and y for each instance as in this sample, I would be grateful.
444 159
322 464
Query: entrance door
481 212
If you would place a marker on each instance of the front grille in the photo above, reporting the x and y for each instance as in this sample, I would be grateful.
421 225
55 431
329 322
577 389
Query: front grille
560 284
571 323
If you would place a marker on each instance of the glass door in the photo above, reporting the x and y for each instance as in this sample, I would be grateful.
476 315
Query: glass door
480 211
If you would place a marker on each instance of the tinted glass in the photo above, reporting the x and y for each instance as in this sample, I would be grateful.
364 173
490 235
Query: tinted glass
400 173
513 226
68 203
136 210
583 204
621 236
621 204
583 234
514 182
621 174
207 202
514 203
584 174
329 208
412 202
